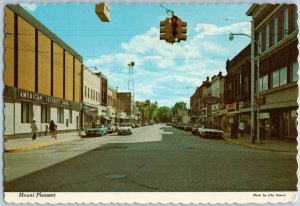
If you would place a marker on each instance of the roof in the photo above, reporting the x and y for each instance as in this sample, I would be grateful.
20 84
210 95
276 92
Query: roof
42 28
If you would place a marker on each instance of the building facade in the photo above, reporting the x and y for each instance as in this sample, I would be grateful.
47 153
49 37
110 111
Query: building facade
42 76
111 104
104 119
237 90
128 105
91 98
276 30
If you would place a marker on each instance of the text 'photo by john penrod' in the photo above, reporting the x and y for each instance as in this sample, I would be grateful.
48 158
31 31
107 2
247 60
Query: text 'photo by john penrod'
162 97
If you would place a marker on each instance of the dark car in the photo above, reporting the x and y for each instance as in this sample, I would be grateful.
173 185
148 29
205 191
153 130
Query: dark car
188 127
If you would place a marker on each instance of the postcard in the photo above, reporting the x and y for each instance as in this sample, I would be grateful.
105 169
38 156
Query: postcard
152 102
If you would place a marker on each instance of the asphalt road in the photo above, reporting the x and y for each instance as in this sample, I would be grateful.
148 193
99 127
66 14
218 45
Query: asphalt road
152 159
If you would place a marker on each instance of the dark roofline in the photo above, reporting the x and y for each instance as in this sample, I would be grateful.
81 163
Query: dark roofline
244 51
42 28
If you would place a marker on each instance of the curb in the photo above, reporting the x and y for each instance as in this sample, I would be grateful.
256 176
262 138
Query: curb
32 147
254 146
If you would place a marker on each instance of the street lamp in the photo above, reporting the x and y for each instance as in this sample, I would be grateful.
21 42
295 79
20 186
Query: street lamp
253 41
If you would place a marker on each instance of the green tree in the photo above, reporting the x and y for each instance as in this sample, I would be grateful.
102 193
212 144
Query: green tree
164 114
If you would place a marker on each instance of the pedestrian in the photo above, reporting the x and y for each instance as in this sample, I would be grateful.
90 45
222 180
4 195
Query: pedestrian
53 128
242 128
34 130
46 131
262 131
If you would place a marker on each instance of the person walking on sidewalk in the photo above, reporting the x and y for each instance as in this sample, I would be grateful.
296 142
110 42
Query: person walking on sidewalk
242 128
52 129
34 130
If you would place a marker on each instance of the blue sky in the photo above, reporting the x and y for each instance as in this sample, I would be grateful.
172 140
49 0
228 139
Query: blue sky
163 72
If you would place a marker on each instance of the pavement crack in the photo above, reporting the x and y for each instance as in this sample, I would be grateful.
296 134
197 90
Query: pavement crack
146 186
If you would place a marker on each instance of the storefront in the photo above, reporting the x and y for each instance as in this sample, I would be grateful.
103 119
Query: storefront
280 122
22 107
90 115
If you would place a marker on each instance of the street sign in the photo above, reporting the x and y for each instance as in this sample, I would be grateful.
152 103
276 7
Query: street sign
210 100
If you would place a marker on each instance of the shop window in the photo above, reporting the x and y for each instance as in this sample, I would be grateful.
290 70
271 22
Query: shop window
26 112
275 31
279 77
60 115
263 83
285 23
294 72
70 116
45 113
267 34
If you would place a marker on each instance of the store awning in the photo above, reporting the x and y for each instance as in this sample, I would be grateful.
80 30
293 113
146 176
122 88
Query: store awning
106 118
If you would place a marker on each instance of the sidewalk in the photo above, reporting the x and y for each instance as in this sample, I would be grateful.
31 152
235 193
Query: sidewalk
270 144
25 144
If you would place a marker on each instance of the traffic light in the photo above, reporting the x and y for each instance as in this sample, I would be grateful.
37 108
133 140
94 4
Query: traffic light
165 30
263 100
257 100
181 29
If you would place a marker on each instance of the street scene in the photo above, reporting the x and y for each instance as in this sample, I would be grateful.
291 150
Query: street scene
150 97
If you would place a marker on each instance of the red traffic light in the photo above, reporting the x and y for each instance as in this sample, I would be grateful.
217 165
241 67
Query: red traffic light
174 26
174 19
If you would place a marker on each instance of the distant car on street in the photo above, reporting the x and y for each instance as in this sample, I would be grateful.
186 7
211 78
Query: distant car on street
195 129
96 130
125 128
111 128
210 131
188 127
144 123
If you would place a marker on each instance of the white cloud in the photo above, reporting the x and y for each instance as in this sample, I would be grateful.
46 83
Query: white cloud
164 71
29 6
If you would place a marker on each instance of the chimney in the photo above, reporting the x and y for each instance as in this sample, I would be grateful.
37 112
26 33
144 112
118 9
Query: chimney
207 79
220 74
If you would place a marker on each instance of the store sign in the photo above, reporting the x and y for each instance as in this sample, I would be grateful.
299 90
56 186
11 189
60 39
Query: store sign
241 104
89 109
36 97
264 115
294 113
214 108
210 100
203 112
231 107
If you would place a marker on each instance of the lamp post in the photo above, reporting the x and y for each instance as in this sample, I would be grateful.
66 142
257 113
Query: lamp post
253 41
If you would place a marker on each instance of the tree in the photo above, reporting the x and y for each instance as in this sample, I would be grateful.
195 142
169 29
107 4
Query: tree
164 114
178 108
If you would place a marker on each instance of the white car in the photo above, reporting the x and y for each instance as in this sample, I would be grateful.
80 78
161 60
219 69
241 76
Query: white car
124 128
210 131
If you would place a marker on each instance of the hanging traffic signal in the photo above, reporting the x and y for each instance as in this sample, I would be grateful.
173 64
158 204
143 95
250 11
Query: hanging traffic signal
263 100
181 29
174 25
257 100
165 30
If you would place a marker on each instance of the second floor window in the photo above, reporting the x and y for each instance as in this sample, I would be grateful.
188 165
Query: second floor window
263 83
246 85
279 77
260 42
267 35
275 31
294 72
285 23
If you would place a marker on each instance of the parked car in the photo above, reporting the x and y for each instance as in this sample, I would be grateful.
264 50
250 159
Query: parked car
151 123
195 129
111 128
188 127
137 124
210 131
96 130
144 123
125 128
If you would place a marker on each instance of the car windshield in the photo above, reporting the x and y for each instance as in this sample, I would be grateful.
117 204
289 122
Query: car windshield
124 125
208 126
96 126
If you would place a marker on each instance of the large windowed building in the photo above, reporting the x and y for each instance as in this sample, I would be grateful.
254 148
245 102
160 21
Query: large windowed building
275 27
41 76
